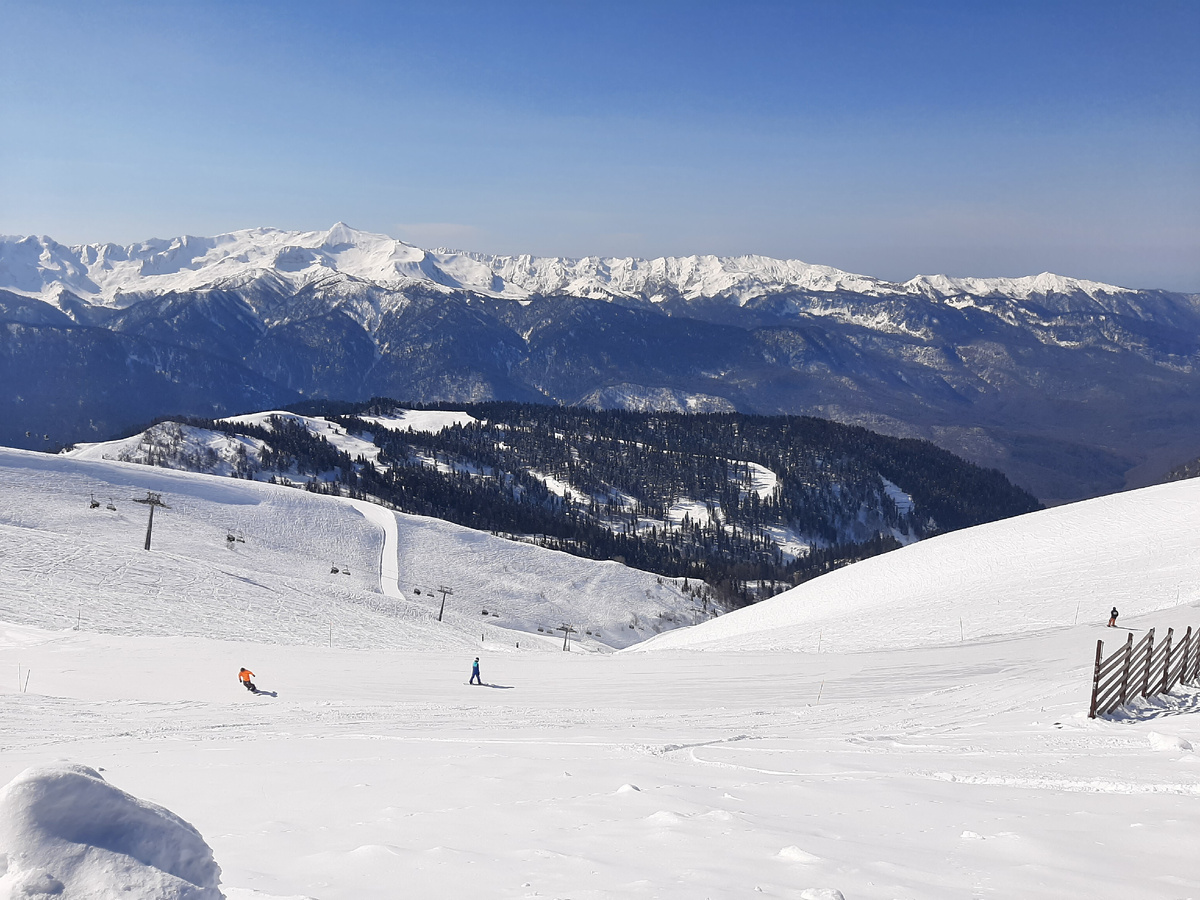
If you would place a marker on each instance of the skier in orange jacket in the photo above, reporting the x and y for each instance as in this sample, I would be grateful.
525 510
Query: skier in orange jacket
244 676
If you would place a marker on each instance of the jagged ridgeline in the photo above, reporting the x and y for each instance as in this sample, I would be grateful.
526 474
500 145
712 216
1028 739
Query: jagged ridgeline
748 504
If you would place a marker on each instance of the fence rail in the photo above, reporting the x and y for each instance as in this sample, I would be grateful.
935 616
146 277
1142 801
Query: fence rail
1144 669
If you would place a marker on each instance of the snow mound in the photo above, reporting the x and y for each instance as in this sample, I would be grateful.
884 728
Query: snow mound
66 832
793 853
1167 742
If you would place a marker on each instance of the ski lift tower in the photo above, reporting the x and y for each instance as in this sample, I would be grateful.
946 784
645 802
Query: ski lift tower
567 631
152 500
443 590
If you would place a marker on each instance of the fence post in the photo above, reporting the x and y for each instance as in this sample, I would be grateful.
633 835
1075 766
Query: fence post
1186 648
1162 689
1096 678
1195 657
1149 657
1125 670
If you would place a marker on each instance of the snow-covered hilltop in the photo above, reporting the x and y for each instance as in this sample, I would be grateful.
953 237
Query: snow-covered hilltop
105 273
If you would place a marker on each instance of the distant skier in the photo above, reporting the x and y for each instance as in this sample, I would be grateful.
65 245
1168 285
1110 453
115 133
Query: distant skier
244 676
1112 618
475 679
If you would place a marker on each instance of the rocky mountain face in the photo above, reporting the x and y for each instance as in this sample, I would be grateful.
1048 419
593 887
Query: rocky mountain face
1072 388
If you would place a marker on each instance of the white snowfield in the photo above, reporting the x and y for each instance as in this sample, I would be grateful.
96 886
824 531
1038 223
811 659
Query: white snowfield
114 275
921 762
236 559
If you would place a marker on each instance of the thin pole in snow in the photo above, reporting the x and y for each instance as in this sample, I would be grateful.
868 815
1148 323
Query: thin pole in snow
331 635
1077 605
28 672
962 635
821 691
818 642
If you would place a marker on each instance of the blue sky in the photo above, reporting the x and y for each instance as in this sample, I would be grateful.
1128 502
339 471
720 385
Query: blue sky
890 139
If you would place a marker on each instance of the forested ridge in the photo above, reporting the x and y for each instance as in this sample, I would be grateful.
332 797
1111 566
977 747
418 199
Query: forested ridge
748 504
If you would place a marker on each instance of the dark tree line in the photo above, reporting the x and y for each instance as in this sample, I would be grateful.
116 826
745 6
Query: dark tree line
623 471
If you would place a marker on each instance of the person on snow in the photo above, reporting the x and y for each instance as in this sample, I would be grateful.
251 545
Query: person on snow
244 676
1112 618
475 679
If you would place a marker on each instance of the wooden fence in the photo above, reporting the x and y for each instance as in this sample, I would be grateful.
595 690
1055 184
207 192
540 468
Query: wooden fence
1143 670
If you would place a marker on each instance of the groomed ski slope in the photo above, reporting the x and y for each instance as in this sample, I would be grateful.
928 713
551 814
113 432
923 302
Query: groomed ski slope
72 565
931 765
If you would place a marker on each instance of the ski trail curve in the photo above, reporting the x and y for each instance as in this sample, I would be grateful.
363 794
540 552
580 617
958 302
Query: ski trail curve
389 564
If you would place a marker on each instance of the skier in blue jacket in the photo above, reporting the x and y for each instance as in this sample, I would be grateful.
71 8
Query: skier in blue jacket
475 679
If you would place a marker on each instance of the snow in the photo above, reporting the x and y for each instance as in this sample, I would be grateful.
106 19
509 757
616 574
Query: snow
762 481
904 502
1136 550
853 746
427 420
71 564
114 275
65 831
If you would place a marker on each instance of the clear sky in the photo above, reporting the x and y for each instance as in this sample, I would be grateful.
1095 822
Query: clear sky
886 138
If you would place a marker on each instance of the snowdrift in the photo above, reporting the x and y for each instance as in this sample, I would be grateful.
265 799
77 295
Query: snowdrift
1139 550
66 832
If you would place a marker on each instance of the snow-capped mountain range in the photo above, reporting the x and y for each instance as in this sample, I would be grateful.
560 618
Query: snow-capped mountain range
109 274
1073 388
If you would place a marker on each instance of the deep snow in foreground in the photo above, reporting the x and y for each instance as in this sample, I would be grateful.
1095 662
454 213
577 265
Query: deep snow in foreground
67 832
932 764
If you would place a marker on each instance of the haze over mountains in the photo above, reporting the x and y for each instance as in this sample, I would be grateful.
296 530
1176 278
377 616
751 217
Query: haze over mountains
1072 388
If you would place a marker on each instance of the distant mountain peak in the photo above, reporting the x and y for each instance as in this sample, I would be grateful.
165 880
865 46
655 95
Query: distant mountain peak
101 273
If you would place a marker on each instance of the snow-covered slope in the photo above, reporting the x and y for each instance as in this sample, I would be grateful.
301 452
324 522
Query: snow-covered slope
103 273
235 557
939 771
936 765
1139 550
